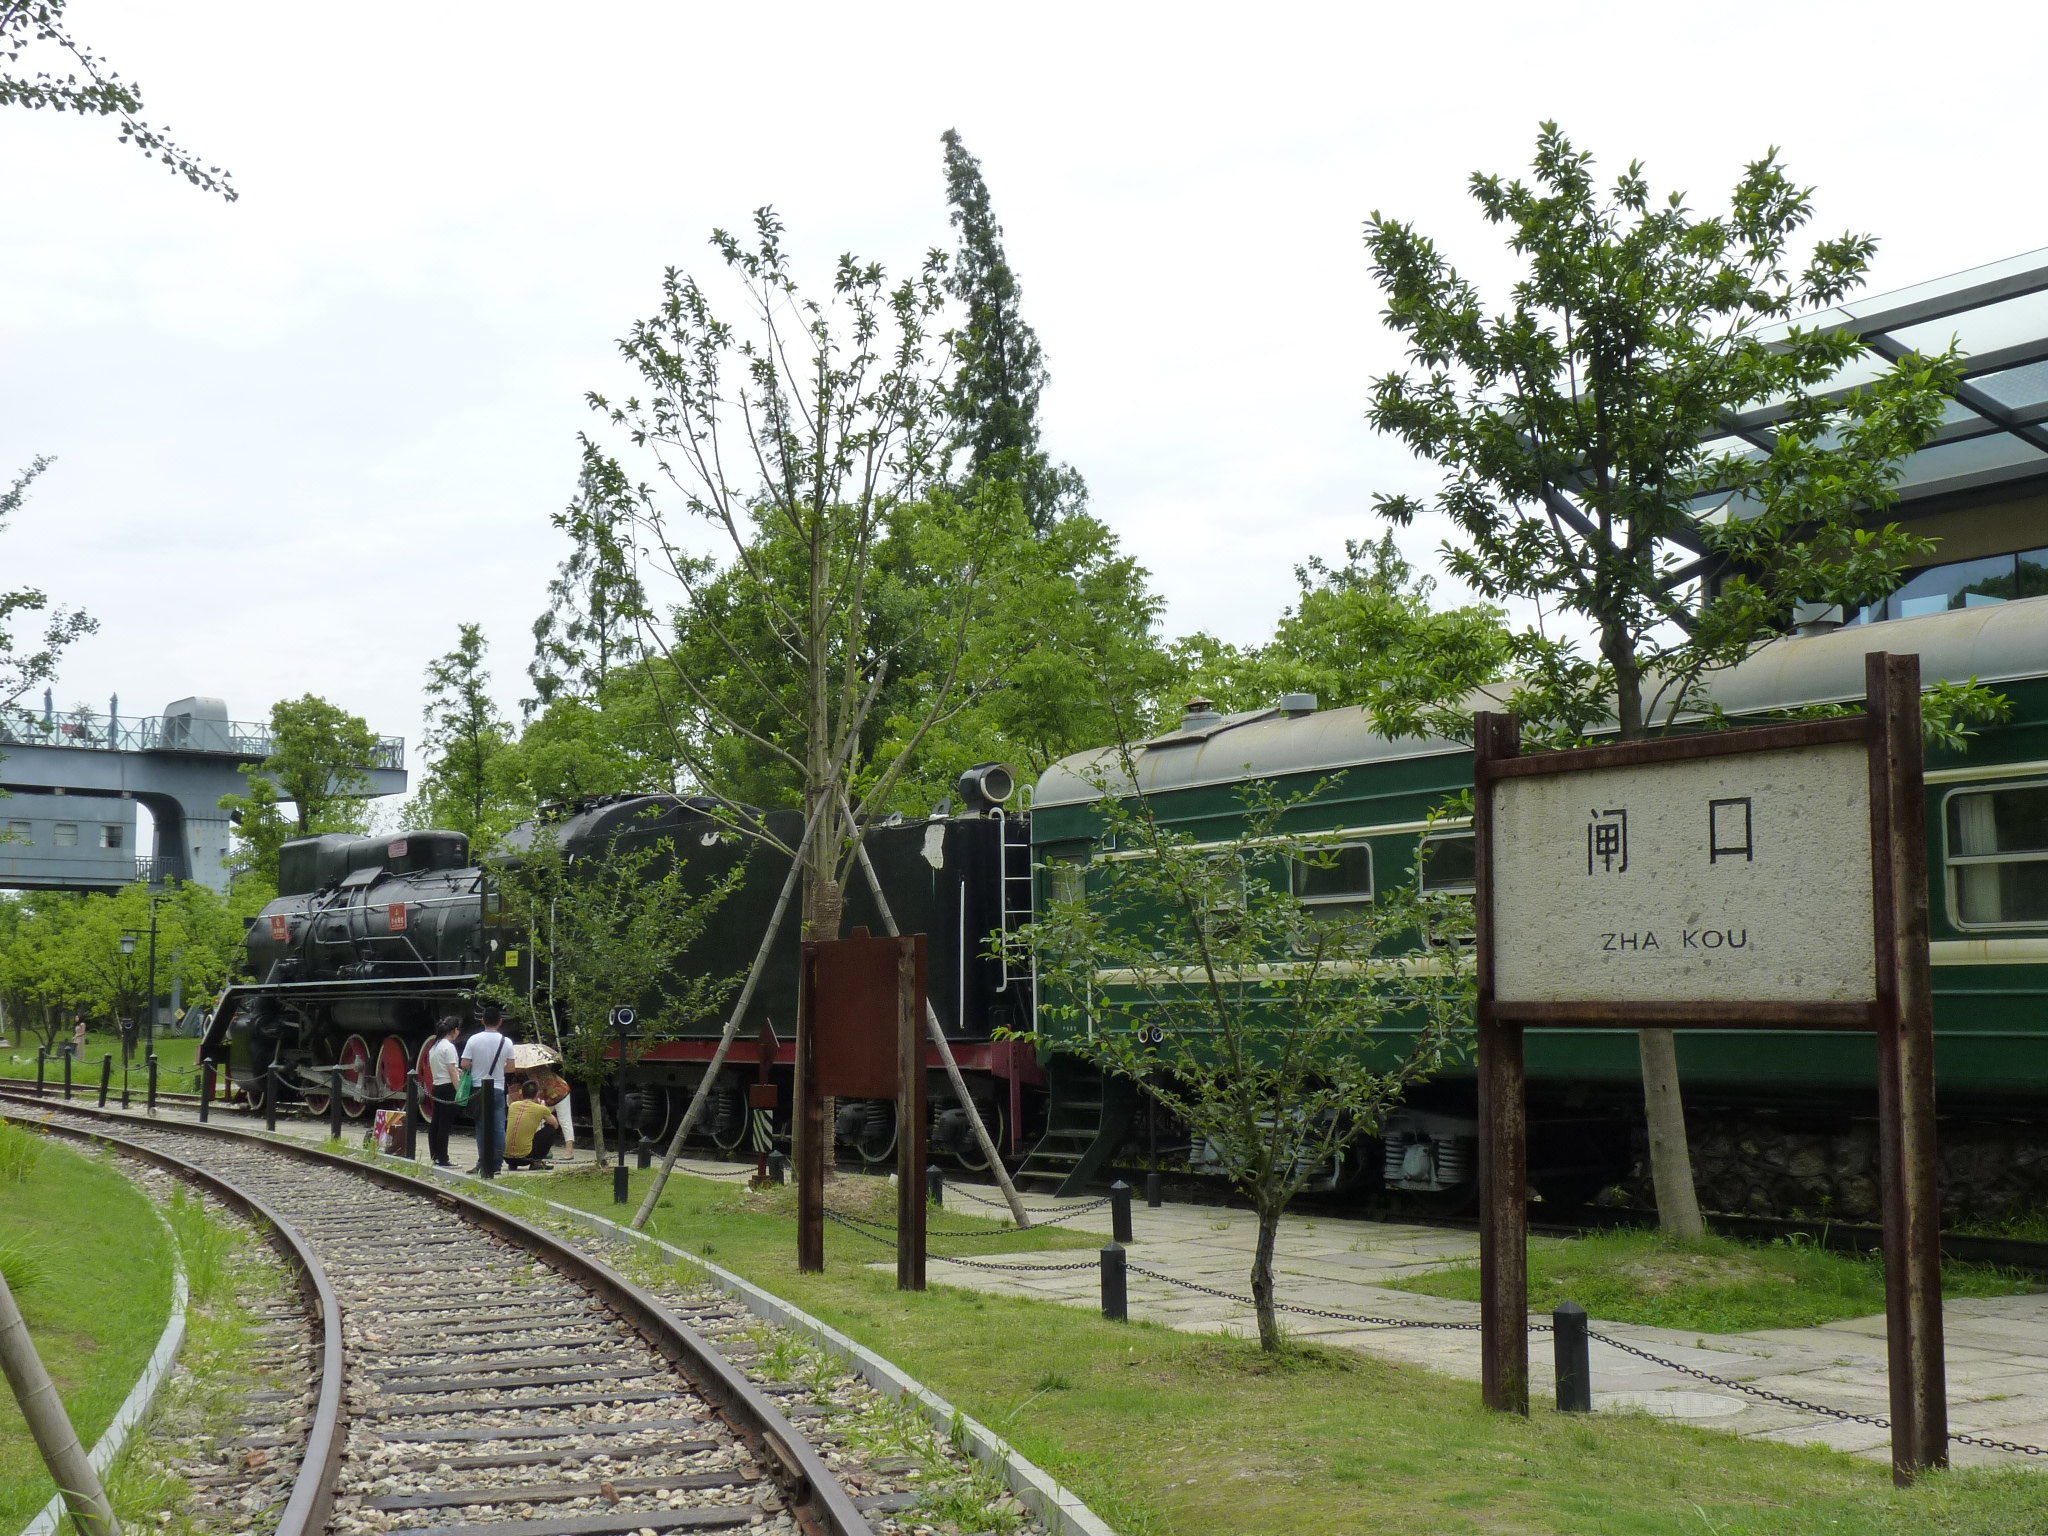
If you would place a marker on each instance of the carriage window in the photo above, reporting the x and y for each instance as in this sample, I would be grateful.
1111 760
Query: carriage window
1448 863
67 834
1998 856
1066 879
1346 878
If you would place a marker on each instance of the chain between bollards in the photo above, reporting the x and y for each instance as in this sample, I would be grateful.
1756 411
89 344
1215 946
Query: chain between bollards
1115 1300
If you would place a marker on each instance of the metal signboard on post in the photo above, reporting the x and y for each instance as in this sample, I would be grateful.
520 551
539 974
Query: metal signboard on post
1767 878
860 1035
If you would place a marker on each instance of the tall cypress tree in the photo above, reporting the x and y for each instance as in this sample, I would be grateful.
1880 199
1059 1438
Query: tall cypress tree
994 397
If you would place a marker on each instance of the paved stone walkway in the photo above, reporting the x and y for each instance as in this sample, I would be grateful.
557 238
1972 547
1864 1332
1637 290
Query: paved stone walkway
1997 1346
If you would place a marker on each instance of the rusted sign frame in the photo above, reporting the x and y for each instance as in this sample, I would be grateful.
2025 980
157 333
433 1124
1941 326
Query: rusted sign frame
1901 1016
906 981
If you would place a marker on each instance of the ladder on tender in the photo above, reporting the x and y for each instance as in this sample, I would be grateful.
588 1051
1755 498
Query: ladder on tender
1014 833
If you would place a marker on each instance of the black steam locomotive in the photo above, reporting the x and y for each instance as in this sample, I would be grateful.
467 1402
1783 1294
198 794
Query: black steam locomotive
372 939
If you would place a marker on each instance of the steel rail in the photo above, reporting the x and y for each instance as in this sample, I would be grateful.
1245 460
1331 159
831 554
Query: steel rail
813 1493
311 1503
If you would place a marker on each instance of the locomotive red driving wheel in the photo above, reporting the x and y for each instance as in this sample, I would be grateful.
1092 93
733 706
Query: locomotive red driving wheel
423 1070
355 1076
393 1067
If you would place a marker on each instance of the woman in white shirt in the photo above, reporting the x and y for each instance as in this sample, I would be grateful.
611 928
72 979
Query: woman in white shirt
444 1064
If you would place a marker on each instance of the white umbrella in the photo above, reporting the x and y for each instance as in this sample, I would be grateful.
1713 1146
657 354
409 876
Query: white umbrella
532 1055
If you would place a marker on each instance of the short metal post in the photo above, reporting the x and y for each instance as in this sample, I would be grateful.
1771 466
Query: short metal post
412 1117
270 1097
646 1153
205 1076
1574 1367
1153 1181
334 1102
106 1077
778 1167
935 1184
67 1076
151 1101
1120 1211
1115 1305
621 1183
42 1060
126 1062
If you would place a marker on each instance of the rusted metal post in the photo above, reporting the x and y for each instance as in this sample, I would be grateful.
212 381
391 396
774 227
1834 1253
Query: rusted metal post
810 1123
1503 1110
910 1121
1905 1067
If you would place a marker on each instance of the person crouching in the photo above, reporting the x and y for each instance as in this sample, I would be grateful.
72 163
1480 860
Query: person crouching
531 1129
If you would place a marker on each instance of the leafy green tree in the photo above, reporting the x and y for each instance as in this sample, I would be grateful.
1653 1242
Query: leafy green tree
20 669
466 743
1584 425
1363 633
318 765
40 26
1277 1031
994 392
595 603
617 927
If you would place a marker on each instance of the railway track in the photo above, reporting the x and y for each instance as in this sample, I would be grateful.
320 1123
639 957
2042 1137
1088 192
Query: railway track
480 1377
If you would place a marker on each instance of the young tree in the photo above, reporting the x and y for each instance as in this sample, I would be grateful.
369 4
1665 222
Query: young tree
466 742
616 926
318 762
1595 464
21 670
1276 1030
832 407
41 25
994 394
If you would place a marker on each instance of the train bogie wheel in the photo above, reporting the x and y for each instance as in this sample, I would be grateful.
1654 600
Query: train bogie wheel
355 1076
877 1140
394 1065
424 1071
316 1104
726 1116
968 1153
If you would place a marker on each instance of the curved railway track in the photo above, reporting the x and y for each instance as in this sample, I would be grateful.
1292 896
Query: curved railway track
480 1377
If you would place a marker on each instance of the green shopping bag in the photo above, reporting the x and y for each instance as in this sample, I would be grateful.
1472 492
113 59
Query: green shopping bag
463 1084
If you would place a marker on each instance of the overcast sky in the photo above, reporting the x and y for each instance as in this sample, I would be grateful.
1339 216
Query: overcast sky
301 437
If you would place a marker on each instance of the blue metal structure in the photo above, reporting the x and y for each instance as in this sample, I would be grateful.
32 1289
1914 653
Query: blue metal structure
75 778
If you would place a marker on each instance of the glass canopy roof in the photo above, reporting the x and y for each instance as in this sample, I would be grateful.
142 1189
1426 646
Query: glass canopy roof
1996 430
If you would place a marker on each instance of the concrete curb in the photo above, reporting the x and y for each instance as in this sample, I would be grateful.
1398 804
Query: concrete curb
1062 1511
135 1407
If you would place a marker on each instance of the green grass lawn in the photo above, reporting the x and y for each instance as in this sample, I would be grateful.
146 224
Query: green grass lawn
1172 1434
90 1265
176 1058
1716 1285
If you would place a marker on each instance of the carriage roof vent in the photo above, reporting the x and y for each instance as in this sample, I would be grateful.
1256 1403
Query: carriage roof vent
1293 704
1198 713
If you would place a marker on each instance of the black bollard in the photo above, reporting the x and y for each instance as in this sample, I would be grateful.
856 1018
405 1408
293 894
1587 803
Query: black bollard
1574 1367
1120 1211
106 1077
935 1184
270 1097
646 1153
151 1100
67 1076
412 1118
205 1085
334 1102
124 1081
1152 1182
778 1167
42 1060
621 1183
1115 1306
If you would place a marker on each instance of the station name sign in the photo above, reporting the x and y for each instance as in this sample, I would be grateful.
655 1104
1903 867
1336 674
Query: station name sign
1740 878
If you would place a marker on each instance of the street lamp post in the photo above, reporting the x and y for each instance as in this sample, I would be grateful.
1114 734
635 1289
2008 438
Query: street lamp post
129 938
